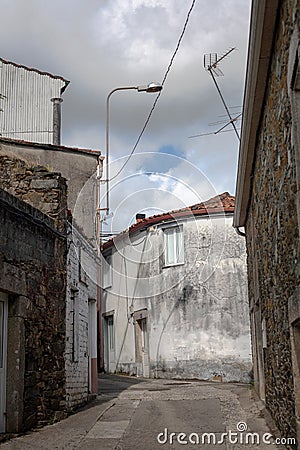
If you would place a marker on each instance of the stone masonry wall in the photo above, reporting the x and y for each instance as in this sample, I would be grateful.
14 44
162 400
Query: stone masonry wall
272 229
37 186
33 273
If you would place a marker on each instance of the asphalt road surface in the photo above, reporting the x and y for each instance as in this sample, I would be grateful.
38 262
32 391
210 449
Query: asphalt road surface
142 414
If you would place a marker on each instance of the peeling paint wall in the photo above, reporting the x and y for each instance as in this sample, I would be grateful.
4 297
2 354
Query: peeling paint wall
197 312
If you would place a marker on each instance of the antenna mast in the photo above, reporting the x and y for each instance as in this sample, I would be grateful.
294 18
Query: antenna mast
211 62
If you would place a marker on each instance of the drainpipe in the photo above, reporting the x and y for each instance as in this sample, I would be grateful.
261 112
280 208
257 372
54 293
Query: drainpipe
239 232
99 271
56 120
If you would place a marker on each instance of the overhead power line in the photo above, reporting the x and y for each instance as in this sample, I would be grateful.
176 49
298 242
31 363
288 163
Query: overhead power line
157 97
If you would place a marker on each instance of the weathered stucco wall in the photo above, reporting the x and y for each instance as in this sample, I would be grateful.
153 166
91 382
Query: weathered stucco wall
197 312
273 232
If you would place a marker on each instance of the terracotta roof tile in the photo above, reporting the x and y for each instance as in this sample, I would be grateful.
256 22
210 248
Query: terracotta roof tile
220 204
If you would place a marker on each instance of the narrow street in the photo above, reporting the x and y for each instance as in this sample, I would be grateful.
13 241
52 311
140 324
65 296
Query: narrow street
134 413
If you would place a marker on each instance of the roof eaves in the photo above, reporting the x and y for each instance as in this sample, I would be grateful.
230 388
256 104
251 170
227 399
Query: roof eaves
262 29
31 69
51 146
218 209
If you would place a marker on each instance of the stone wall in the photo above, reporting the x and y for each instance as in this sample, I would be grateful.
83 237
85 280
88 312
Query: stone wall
33 274
44 190
33 259
273 236
77 166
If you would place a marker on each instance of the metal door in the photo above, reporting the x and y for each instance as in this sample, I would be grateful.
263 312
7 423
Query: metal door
3 359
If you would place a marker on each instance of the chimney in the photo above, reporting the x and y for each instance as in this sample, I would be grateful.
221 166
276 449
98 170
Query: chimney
140 217
56 120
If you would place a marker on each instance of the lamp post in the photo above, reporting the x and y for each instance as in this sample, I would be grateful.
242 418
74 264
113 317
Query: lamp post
150 88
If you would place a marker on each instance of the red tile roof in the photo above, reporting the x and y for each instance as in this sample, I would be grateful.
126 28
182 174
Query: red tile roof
220 204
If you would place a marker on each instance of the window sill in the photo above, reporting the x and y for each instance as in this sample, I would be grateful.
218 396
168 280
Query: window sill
173 265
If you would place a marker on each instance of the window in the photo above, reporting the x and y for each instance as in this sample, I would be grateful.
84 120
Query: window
173 246
106 271
82 263
111 333
74 326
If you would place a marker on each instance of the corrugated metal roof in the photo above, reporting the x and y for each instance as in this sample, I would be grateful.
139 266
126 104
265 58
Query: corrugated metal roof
26 107
31 69
220 204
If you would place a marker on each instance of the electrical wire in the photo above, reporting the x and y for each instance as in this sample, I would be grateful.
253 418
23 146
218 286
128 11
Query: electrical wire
159 94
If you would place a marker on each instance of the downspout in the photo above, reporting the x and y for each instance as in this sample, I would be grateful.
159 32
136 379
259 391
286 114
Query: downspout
99 271
239 232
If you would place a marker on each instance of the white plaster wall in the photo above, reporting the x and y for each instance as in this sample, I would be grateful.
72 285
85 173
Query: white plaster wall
85 289
198 319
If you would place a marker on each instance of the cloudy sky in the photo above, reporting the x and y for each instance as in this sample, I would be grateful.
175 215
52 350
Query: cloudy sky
102 44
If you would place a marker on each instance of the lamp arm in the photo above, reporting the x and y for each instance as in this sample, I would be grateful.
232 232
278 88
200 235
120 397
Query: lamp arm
125 88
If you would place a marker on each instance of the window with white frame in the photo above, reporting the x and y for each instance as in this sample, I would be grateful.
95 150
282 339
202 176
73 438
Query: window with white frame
111 333
174 246
106 271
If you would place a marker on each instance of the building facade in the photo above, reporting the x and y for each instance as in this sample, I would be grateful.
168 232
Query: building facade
268 206
55 188
32 297
49 296
174 297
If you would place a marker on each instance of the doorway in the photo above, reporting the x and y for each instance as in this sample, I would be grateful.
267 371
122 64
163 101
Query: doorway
110 343
92 345
142 343
3 359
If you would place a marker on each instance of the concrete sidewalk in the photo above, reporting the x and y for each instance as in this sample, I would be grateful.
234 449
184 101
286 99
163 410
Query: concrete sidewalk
67 434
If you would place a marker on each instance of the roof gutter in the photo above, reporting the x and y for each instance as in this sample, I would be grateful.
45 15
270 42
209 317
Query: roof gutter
262 29
168 217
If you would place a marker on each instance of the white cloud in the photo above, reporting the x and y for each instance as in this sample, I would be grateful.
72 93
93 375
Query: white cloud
99 45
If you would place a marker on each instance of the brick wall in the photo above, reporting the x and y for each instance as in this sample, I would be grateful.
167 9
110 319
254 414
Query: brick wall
272 231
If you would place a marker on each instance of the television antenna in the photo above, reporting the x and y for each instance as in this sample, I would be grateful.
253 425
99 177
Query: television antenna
222 128
211 62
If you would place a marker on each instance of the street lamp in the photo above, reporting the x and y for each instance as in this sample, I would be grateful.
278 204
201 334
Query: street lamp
150 88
